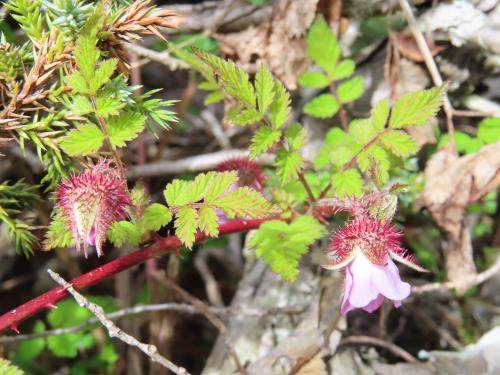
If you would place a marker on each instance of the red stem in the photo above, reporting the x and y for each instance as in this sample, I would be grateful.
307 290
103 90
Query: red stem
47 300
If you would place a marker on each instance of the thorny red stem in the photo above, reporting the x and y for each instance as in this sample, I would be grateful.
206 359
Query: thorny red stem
47 300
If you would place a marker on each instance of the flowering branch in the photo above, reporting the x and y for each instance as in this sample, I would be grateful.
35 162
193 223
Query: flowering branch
48 300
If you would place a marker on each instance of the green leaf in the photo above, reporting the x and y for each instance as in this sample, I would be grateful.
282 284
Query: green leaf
213 98
218 183
234 79
280 106
86 55
334 139
289 164
84 140
322 46
282 245
399 143
186 224
156 216
124 232
375 154
264 86
344 69
102 75
108 105
238 116
81 105
296 136
59 234
362 131
489 130
28 350
7 368
177 193
209 221
347 183
78 83
416 108
351 90
125 127
322 106
315 80
380 113
243 202
263 139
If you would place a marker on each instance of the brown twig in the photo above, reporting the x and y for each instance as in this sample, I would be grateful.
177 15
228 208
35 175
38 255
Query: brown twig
368 340
431 66
150 350
205 310
342 112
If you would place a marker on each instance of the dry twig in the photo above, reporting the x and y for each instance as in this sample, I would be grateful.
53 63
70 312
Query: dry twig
368 340
150 350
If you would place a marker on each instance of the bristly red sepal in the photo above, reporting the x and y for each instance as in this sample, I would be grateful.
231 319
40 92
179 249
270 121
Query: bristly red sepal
249 172
91 201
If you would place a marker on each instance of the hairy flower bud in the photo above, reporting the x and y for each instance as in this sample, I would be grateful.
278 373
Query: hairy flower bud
365 247
249 172
91 201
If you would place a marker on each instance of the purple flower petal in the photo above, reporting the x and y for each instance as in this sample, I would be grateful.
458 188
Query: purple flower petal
363 289
375 304
387 281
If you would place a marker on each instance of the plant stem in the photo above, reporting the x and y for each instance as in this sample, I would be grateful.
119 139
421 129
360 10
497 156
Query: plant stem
352 162
47 300
304 182
104 128
342 112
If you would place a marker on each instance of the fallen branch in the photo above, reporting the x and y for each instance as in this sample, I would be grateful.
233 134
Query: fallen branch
150 350
47 300
368 340
141 309
199 163
466 283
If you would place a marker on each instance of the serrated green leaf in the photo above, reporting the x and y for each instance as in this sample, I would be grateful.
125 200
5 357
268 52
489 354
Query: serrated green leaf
399 143
81 105
489 130
282 245
322 46
28 350
124 232
380 114
86 55
59 233
102 75
209 221
362 130
234 79
263 139
344 69
375 154
264 86
244 202
177 193
322 106
108 105
296 136
288 164
7 368
351 90
208 86
237 116
315 80
213 98
186 223
280 106
156 216
334 139
347 183
416 108
78 83
84 140
125 127
219 183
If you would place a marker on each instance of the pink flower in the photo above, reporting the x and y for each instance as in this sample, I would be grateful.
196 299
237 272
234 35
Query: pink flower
365 248
91 201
